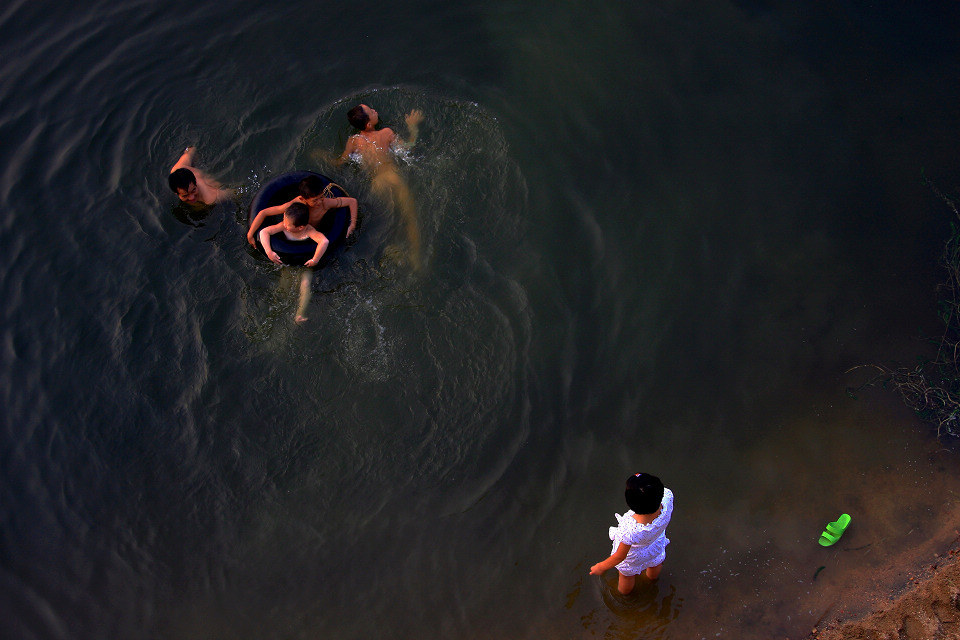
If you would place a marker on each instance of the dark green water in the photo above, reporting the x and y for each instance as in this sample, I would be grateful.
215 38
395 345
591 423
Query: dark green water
655 236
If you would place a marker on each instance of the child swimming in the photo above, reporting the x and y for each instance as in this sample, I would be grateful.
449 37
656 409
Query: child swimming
373 148
639 541
192 186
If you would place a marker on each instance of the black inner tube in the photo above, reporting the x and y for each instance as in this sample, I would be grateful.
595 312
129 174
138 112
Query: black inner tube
285 188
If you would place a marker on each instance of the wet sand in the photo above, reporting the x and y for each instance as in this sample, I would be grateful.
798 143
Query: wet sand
914 592
927 607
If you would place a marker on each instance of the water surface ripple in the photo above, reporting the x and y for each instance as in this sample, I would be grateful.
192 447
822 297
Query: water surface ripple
654 237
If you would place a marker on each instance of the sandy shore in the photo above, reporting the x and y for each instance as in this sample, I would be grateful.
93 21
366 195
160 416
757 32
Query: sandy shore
926 608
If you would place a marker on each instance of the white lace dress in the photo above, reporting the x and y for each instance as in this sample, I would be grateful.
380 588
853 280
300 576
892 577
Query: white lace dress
648 542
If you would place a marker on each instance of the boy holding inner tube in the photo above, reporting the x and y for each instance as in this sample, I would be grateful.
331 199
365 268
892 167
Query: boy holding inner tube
296 226
311 195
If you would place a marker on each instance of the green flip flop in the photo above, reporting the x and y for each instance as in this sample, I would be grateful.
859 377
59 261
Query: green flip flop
834 530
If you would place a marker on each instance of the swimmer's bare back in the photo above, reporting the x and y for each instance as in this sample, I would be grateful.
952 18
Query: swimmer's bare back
374 146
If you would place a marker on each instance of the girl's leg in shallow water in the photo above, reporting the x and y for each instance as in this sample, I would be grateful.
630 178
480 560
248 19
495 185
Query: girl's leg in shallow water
627 583
654 572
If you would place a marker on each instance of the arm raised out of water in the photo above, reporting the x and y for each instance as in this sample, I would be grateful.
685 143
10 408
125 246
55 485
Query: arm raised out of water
413 119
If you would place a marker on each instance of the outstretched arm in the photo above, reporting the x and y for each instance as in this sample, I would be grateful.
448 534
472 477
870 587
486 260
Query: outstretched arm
265 234
350 147
327 157
322 244
336 203
619 556
276 210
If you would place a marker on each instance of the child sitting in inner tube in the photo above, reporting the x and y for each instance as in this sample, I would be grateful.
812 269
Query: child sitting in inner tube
311 195
296 226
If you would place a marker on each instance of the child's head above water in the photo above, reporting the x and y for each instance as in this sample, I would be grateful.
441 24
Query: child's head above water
644 493
183 183
311 187
296 216
361 115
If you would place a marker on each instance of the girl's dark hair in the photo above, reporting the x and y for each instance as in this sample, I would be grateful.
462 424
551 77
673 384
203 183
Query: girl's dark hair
644 493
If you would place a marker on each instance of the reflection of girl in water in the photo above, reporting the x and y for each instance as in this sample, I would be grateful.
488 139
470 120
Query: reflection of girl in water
372 147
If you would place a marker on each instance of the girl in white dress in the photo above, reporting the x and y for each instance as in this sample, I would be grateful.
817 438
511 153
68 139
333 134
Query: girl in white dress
639 541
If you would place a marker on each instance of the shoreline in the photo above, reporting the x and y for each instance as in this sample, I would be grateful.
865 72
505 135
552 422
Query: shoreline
925 607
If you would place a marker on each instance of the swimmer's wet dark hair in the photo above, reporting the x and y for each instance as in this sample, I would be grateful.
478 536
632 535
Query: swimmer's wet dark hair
644 493
311 187
297 213
181 179
358 117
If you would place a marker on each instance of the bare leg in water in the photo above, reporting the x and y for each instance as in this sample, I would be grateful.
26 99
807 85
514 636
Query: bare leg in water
391 187
305 280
